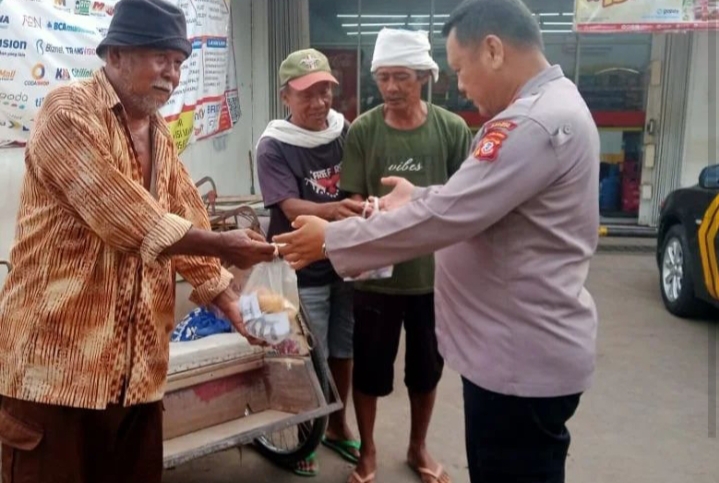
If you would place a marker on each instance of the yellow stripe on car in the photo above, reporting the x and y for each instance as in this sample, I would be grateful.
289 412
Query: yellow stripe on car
707 248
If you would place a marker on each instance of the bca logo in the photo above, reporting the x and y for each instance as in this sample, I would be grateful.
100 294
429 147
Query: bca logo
62 74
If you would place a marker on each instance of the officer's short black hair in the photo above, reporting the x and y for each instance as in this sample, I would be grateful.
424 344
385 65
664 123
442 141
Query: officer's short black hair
510 20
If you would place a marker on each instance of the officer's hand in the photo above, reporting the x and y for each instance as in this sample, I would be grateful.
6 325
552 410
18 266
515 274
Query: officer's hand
347 208
400 195
304 245
227 303
245 248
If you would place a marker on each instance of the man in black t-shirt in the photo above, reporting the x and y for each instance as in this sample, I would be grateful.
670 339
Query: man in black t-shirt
298 164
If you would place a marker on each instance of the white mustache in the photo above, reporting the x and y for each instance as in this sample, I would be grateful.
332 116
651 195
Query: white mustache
167 87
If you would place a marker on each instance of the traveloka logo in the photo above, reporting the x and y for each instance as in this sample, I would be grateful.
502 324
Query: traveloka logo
13 100
65 27
38 75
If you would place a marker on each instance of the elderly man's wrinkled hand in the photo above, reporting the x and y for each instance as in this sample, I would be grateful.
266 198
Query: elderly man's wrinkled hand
400 195
348 208
246 248
228 303
304 245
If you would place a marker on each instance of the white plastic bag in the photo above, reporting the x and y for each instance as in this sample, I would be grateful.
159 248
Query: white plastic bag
273 283
379 273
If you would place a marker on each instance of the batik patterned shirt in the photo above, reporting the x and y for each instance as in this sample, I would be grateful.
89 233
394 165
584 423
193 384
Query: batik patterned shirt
87 311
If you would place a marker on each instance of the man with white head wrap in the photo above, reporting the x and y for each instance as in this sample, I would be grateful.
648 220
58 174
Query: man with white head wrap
425 144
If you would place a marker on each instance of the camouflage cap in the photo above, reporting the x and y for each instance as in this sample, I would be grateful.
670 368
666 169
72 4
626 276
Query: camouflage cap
304 68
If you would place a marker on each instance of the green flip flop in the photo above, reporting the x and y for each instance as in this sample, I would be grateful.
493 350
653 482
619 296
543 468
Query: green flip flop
312 458
343 448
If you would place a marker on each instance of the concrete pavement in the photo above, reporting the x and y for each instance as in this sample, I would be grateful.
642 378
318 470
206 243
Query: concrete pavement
644 421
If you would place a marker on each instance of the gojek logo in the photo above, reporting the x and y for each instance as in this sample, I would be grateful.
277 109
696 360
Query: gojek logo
38 76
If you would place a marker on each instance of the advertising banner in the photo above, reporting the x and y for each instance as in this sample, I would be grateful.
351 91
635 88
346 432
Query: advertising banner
47 43
646 15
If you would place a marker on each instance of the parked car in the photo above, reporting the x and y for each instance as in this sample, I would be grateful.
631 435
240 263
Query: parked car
688 247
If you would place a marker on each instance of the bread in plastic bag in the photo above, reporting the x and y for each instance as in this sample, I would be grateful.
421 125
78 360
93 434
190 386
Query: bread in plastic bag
274 285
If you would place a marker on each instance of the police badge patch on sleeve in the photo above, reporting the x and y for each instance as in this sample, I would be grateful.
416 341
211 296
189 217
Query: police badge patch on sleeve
495 133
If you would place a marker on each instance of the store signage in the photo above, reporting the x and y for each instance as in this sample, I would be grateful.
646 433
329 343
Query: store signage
612 16
45 44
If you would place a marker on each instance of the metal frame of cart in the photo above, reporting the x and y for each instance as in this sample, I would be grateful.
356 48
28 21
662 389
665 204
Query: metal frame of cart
295 394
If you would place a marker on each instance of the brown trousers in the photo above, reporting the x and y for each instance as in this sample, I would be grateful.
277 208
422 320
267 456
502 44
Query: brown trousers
56 444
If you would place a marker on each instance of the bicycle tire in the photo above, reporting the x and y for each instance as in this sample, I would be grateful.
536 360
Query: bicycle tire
314 429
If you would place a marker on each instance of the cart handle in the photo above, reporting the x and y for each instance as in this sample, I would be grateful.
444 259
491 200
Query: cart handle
7 265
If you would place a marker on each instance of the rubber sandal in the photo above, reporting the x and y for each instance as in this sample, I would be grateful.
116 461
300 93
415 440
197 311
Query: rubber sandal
343 447
356 478
312 458
438 475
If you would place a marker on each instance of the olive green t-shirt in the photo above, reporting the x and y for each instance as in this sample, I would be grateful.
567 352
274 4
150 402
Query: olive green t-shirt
425 156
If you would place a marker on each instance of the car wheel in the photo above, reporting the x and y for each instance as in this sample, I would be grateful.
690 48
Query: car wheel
676 282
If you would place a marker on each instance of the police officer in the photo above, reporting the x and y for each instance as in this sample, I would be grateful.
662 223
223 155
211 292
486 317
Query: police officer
514 230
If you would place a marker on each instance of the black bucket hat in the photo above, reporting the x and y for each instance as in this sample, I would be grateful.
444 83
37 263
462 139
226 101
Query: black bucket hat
155 24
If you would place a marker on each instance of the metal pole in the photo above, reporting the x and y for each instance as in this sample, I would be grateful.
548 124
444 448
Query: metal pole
577 59
359 57
431 48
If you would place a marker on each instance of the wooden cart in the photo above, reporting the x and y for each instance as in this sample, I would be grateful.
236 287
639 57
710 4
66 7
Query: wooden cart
223 393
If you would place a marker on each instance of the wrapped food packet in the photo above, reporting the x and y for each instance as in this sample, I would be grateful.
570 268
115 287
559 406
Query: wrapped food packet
275 284
267 316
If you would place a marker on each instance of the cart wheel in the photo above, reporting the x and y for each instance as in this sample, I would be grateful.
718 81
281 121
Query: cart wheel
292 445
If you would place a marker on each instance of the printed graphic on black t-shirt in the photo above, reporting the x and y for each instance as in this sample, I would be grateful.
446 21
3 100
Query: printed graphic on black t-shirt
290 172
325 182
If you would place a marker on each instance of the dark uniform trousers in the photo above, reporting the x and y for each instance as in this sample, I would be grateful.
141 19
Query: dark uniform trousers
516 439
55 444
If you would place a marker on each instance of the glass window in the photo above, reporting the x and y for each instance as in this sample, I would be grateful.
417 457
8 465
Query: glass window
613 79
613 71
329 36
555 18
610 70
